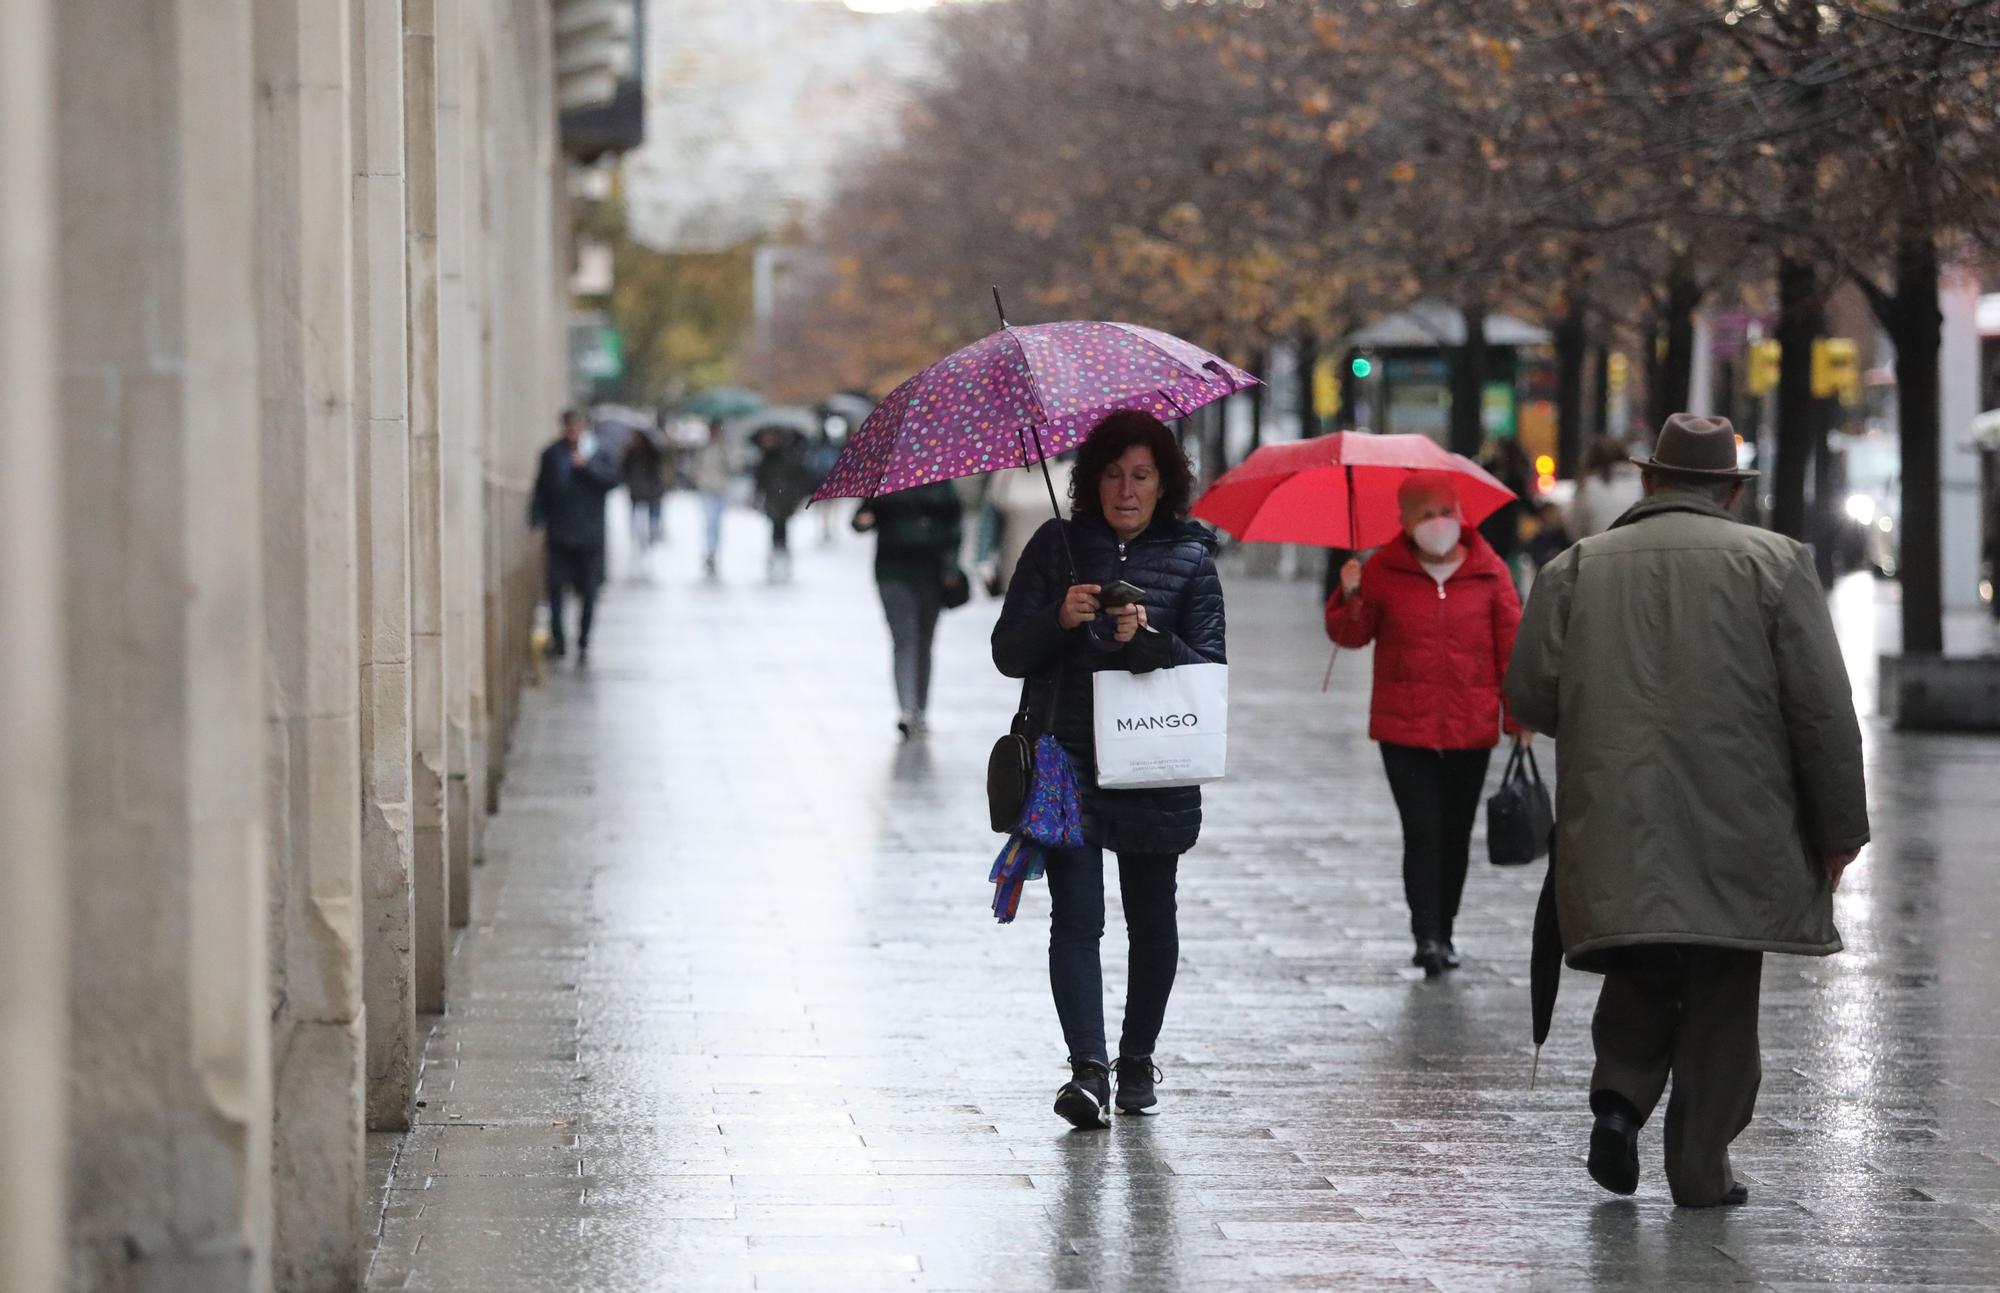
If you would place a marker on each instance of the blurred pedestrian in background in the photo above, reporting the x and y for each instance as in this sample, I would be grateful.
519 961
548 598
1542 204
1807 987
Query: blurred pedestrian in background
1130 494
1608 488
1509 464
1709 795
820 457
712 473
783 481
644 469
1017 506
1440 606
917 533
1552 537
568 507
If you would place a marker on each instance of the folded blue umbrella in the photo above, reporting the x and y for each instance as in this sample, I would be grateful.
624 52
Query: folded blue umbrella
1052 818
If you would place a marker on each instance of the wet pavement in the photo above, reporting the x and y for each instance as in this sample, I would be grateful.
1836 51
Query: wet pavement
732 1012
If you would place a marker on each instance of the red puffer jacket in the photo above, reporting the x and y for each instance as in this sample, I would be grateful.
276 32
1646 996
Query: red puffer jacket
1440 652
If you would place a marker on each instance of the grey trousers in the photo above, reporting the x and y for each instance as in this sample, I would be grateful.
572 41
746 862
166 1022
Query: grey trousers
1687 1012
912 607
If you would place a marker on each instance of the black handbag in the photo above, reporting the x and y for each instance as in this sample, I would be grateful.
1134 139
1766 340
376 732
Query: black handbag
954 589
1010 768
1519 817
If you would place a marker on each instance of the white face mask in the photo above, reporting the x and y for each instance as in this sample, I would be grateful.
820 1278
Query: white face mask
1437 536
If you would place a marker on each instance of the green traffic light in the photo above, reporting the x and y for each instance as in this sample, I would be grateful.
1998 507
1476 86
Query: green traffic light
1361 366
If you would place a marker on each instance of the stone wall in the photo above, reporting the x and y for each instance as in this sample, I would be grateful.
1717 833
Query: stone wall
283 338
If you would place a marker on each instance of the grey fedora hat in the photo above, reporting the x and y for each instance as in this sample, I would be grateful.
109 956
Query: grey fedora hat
1696 447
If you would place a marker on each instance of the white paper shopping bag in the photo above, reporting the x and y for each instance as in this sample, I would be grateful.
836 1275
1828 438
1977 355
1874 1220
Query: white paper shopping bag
1169 727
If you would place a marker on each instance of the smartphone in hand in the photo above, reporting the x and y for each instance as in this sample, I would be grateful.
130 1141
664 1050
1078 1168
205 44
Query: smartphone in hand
1119 593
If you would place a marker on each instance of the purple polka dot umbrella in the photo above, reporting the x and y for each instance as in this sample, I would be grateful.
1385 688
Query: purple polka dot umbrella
1020 396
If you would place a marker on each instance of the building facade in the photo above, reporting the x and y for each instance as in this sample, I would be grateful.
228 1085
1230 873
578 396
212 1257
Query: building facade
284 286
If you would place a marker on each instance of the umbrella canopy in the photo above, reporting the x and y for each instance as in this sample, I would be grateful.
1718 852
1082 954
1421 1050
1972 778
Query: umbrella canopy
1339 491
722 402
1019 396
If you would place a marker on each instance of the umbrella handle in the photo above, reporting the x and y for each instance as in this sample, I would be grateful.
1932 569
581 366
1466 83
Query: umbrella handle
1327 681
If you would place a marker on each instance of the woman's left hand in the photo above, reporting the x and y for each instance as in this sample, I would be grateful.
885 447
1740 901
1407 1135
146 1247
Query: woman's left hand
1128 620
1524 738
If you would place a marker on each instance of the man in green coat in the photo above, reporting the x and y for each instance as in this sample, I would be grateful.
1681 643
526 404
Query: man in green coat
1709 794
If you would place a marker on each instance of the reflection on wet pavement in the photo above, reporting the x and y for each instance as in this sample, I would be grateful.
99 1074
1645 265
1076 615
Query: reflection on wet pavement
732 1012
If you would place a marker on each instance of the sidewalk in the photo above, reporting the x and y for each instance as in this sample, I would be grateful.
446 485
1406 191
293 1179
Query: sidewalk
732 1012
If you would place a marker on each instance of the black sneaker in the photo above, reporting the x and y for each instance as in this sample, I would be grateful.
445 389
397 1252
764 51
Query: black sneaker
1136 1076
1085 1100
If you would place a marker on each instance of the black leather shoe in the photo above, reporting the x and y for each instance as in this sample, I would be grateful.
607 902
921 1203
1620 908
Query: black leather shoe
1738 1195
1430 958
1137 1075
1085 1100
1451 961
1614 1143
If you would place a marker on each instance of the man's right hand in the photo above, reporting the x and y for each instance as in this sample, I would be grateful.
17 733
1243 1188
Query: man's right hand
1835 864
1079 605
1350 576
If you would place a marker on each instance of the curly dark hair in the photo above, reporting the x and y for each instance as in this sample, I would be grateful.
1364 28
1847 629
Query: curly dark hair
1107 443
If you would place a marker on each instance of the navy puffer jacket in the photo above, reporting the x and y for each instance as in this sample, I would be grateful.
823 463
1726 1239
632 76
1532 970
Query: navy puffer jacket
1174 562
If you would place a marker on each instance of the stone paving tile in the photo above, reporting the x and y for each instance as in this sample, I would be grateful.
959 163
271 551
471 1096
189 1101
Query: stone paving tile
731 1013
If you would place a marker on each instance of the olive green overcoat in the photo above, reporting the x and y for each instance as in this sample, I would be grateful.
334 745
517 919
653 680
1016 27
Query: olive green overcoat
1707 750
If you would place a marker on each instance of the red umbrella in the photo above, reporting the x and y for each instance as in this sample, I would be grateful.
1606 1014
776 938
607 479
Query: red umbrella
1339 491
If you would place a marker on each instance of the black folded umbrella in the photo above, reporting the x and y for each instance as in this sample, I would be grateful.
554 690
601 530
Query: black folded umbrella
1545 962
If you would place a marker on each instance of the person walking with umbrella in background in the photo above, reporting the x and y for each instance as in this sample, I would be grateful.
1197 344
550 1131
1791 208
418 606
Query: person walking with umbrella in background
1709 795
1129 493
783 480
644 467
1440 606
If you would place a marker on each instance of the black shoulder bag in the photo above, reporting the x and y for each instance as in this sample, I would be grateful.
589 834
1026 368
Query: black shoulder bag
1010 768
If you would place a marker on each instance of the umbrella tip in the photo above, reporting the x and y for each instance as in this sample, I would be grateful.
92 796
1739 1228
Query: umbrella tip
998 308
1536 1069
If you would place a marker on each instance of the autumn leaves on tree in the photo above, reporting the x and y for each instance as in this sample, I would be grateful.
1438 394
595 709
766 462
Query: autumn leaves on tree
1245 173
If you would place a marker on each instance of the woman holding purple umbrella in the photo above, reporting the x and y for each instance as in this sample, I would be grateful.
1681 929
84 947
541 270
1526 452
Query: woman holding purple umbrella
1130 494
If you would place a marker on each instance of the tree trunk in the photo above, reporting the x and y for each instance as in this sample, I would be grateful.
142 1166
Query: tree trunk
1677 368
1571 345
1656 375
1468 386
1800 318
1600 405
1308 359
1917 328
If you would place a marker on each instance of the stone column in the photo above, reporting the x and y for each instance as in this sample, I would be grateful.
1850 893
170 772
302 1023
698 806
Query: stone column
304 259
455 433
427 673
170 1064
382 529
33 915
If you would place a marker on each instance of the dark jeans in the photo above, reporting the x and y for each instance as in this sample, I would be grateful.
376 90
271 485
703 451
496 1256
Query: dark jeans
912 607
1076 926
781 533
581 569
1437 794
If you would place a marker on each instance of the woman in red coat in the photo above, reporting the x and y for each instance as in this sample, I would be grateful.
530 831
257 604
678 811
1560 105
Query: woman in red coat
1440 606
